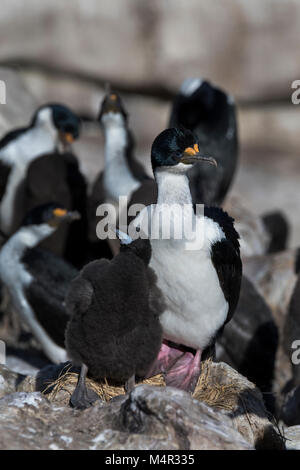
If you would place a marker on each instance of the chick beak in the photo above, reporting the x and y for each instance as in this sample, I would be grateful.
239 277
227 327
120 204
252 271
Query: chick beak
192 155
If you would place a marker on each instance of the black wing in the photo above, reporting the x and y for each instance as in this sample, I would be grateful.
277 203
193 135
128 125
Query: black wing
227 263
226 257
81 290
46 294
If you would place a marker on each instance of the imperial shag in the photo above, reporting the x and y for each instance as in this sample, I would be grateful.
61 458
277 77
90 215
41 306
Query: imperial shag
210 114
37 280
197 264
51 126
122 173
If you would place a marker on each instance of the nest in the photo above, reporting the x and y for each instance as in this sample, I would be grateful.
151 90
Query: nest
215 394
105 389
208 389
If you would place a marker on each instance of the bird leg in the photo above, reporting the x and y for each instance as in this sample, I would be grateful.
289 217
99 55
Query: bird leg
130 384
83 397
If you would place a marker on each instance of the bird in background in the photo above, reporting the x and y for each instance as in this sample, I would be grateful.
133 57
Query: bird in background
122 173
52 126
210 113
37 280
114 331
198 272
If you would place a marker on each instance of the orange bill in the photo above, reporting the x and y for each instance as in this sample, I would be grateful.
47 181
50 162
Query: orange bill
68 137
59 212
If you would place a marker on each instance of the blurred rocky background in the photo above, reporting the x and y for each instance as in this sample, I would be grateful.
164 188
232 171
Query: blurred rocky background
66 51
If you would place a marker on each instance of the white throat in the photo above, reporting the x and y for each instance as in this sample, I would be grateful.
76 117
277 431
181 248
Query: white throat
18 154
173 186
42 138
118 179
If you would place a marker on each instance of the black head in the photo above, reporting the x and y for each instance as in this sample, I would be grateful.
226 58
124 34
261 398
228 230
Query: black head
62 118
52 214
112 103
176 146
140 247
200 103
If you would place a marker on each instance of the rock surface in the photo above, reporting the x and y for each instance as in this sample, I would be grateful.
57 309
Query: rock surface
9 381
150 418
241 401
290 412
292 435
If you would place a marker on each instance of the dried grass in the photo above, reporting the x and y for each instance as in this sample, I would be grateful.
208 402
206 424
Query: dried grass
213 393
207 389
106 389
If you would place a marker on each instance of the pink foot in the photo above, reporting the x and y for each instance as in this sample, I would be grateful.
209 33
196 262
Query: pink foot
166 358
185 372
180 367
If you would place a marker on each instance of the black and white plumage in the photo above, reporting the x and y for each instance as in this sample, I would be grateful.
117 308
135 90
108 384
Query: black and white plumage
37 280
210 114
122 173
114 331
200 272
51 126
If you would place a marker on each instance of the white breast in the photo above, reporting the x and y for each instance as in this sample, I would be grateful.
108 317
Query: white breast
19 154
16 279
118 179
195 304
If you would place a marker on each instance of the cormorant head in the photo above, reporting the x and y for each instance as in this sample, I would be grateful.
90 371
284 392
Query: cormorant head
51 215
140 247
59 120
176 150
112 110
